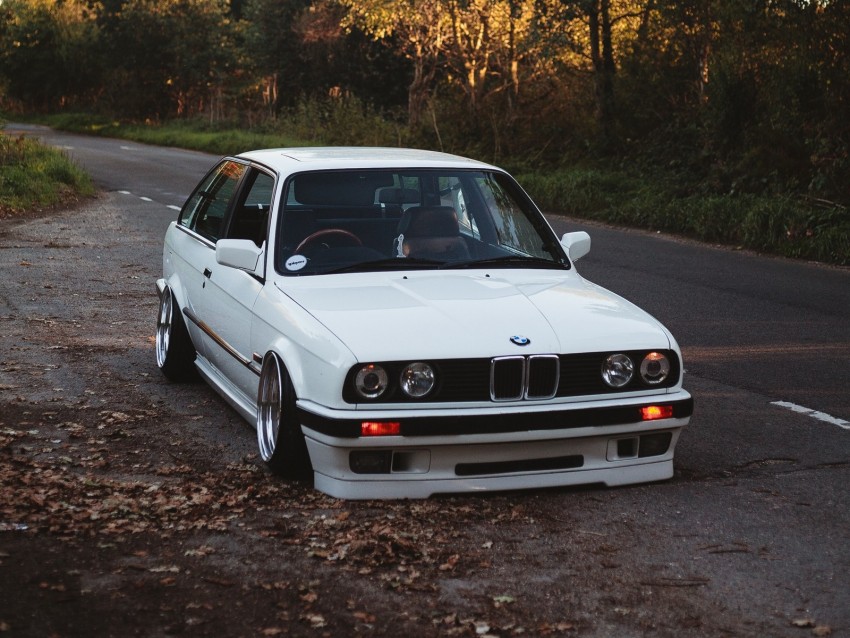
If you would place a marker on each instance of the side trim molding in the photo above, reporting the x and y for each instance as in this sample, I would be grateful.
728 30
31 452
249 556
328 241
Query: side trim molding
248 363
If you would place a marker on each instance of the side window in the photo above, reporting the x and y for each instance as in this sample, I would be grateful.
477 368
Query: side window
514 230
250 218
205 210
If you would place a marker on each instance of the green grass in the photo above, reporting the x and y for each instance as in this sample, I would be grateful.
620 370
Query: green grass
194 135
790 226
34 176
311 123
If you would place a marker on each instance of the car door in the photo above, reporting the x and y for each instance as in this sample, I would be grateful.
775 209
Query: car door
225 307
201 221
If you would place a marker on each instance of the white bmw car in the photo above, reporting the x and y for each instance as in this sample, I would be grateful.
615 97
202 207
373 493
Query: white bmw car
398 323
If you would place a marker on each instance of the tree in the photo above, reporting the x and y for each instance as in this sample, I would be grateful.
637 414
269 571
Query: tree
167 57
48 52
298 49
272 49
598 14
419 26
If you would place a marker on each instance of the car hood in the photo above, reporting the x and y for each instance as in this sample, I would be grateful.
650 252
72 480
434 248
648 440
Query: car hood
423 315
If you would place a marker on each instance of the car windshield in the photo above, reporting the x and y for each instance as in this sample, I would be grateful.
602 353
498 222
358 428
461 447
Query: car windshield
378 220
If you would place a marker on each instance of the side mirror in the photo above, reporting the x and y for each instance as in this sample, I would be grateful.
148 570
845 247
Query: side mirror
576 244
240 253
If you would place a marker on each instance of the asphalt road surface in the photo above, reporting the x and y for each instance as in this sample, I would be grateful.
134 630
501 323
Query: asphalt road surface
750 538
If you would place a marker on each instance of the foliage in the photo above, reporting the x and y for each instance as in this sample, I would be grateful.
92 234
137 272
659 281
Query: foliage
310 123
297 51
340 122
48 51
35 176
734 103
782 225
168 57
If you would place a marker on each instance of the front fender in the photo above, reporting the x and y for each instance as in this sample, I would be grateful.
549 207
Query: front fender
316 359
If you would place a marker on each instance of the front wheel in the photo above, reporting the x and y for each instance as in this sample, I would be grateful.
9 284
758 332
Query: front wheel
175 353
279 435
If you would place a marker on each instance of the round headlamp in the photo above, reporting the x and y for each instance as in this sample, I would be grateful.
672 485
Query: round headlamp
417 380
371 381
617 370
654 368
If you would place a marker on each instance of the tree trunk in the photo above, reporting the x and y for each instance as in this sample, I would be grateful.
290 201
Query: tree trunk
419 88
602 56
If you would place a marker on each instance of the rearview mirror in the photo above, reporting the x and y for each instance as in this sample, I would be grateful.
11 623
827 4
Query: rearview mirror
243 254
576 244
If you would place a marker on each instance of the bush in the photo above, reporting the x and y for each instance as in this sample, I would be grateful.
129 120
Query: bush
344 121
781 225
33 176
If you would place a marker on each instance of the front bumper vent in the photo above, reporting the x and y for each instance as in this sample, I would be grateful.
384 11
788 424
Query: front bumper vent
527 465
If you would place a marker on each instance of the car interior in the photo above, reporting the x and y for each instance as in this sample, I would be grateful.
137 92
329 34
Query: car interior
344 217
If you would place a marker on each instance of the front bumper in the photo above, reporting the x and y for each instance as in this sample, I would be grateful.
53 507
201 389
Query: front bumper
496 449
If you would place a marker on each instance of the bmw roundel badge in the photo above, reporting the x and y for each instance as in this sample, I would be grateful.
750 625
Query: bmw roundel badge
520 340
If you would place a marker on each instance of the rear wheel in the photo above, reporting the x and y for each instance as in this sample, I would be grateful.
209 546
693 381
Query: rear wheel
175 353
279 435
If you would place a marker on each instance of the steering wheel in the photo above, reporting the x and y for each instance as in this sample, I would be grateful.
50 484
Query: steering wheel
329 238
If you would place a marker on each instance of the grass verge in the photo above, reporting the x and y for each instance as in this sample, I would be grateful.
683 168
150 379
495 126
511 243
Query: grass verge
35 177
789 226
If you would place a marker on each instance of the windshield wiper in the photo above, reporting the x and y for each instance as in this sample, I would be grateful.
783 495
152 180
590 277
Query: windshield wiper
392 263
511 261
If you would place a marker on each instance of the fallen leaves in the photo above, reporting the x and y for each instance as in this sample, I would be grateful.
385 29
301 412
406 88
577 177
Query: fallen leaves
53 479
501 601
454 625
808 623
451 563
316 621
59 500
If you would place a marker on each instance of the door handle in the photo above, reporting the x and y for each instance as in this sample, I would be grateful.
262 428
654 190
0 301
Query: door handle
207 273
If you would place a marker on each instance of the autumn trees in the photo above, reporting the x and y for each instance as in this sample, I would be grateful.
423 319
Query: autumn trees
755 92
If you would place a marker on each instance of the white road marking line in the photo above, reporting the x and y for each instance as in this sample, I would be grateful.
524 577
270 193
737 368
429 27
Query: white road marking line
820 416
148 199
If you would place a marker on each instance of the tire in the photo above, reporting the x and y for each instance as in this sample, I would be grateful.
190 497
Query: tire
175 353
279 437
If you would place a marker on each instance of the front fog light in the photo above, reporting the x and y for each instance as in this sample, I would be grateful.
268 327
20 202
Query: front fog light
417 380
654 368
371 381
617 370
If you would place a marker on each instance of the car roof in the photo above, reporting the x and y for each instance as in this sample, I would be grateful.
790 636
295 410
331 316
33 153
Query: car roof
291 160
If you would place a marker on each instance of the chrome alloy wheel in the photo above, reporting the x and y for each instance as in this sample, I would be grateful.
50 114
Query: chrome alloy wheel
269 407
163 327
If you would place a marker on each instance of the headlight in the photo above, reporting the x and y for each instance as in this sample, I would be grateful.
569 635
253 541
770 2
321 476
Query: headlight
417 380
618 370
654 368
371 381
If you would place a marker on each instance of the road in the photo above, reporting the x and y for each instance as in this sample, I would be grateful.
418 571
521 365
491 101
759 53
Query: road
750 538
